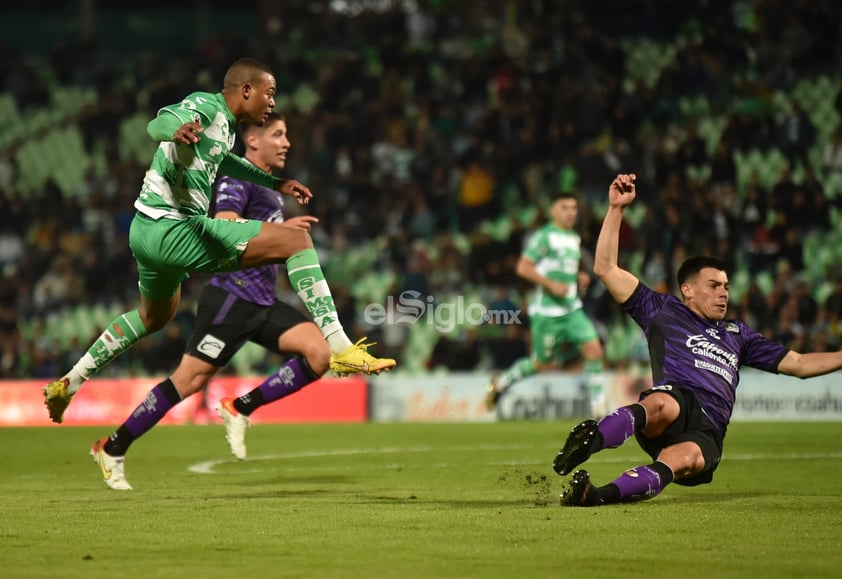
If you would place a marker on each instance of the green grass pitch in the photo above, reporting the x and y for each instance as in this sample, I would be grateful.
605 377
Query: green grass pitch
410 500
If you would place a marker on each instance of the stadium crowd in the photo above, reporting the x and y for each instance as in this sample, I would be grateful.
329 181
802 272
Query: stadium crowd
434 134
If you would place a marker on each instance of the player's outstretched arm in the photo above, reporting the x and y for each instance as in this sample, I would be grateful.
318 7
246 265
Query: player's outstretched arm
809 365
619 282
238 168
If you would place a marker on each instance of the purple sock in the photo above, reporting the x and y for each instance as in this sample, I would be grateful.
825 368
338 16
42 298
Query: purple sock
291 377
617 427
152 409
643 482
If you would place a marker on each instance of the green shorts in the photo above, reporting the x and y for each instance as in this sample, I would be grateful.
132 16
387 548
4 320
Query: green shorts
552 335
167 250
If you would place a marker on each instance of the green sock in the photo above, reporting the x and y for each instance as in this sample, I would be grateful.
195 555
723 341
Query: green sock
119 336
307 279
595 378
521 369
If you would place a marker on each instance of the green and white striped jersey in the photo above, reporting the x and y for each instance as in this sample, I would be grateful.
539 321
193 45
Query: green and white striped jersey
556 253
178 183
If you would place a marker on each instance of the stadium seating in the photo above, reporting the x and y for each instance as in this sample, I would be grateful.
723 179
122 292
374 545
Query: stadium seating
646 59
47 143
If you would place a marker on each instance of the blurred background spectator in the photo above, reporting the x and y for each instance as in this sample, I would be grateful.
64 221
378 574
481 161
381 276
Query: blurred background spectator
431 133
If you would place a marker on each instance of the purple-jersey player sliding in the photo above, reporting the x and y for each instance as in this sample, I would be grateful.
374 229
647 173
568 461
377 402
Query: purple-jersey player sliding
696 356
235 307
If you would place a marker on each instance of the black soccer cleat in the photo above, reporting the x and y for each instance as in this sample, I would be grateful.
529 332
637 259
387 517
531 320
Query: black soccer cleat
578 447
581 492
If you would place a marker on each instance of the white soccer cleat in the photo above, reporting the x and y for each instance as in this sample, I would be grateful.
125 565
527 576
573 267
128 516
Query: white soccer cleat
235 427
112 467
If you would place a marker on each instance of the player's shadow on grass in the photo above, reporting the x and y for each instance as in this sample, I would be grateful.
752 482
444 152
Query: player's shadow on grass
292 481
279 489
454 504
277 494
706 499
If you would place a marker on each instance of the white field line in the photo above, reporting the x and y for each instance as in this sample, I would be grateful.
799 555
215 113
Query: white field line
209 466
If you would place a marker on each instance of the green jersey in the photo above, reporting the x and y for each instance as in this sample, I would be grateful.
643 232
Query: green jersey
178 183
556 254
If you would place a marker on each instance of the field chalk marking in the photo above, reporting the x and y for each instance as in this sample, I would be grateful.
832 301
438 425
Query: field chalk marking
209 466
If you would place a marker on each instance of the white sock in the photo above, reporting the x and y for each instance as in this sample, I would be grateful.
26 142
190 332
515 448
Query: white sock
80 373
338 342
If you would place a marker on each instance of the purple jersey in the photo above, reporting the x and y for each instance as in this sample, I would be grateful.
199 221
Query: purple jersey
705 357
249 201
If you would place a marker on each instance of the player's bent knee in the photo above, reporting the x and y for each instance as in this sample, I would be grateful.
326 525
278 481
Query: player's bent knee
661 410
291 240
275 242
300 241
685 459
693 466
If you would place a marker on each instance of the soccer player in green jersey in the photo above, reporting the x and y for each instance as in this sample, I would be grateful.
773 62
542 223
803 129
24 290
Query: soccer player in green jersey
550 261
172 234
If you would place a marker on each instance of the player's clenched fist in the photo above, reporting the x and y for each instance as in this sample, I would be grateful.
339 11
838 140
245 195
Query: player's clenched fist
622 191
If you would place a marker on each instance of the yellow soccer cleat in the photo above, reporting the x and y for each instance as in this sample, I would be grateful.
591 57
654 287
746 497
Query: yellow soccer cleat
357 360
57 398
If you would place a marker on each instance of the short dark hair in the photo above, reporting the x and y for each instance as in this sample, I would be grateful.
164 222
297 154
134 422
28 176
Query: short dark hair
563 195
246 127
693 265
243 71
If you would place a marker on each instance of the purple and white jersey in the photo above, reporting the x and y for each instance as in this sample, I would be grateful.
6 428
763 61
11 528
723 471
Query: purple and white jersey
705 357
249 201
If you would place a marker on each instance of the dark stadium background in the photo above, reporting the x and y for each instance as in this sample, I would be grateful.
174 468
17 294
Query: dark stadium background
728 112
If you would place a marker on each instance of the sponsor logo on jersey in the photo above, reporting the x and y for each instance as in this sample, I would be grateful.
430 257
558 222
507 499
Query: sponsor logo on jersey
701 346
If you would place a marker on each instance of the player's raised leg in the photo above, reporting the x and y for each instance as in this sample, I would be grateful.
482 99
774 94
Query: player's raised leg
308 280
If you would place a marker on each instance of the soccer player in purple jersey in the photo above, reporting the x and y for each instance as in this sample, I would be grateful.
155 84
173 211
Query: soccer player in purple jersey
696 356
235 307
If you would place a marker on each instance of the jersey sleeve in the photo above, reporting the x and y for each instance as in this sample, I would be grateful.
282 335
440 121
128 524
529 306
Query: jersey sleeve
195 108
230 195
536 246
759 351
644 304
239 168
